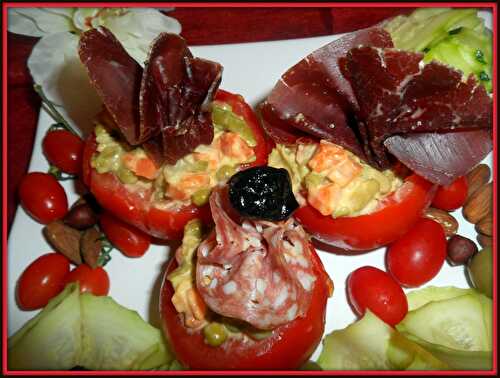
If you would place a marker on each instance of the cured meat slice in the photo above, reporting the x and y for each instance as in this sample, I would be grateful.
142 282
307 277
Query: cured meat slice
314 97
175 92
441 157
116 77
259 272
398 95
164 107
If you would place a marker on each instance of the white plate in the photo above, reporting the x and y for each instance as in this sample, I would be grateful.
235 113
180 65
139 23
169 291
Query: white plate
250 69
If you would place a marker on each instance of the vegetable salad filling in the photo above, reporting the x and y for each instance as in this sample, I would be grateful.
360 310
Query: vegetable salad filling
191 178
333 180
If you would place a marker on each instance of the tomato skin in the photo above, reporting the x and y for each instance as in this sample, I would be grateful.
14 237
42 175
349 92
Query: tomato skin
373 289
64 150
43 197
135 207
42 280
288 348
417 257
451 197
398 213
131 241
94 281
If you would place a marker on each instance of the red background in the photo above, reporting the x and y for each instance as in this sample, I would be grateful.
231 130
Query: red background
199 26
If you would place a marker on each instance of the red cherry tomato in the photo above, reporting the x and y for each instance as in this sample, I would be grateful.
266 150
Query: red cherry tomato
42 280
398 212
417 257
373 289
94 281
137 208
43 197
64 150
289 346
131 241
451 197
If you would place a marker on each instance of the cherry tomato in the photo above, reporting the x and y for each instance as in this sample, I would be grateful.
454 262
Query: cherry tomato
418 255
64 150
42 280
398 212
451 197
128 239
43 197
373 289
94 281
289 346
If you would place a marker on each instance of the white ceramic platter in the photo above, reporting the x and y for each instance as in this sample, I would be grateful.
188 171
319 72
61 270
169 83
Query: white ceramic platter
251 70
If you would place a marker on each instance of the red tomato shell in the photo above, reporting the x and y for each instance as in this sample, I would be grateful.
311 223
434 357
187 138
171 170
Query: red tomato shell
43 198
288 348
451 197
42 280
131 241
373 289
94 281
64 150
417 257
398 212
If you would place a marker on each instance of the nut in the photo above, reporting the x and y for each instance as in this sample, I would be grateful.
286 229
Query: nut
485 225
64 239
449 223
81 217
484 241
476 178
480 204
90 246
460 249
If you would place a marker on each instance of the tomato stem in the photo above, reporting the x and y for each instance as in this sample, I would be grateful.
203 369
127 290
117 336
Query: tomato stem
59 175
49 107
106 248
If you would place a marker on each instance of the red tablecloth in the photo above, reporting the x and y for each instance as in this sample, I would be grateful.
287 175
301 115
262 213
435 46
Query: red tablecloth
199 26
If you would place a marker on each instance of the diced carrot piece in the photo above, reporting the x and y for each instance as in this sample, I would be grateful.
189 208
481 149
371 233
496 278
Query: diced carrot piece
324 198
141 166
345 172
233 145
327 156
211 157
188 185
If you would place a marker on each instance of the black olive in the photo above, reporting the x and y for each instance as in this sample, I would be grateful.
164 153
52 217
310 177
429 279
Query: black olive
263 193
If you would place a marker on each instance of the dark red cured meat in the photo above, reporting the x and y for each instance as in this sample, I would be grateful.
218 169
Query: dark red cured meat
441 157
259 272
397 96
164 107
116 77
175 91
314 97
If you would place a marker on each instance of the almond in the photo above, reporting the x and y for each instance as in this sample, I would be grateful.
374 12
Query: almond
484 241
485 226
479 204
446 220
64 239
90 246
476 178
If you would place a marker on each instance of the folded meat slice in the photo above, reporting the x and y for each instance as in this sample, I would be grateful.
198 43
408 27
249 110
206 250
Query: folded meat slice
259 272
313 97
398 95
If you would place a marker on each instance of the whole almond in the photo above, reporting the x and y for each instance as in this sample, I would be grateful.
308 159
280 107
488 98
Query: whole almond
476 178
479 204
449 223
90 246
64 239
485 225
484 241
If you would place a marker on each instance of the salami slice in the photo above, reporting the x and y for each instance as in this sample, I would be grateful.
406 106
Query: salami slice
259 272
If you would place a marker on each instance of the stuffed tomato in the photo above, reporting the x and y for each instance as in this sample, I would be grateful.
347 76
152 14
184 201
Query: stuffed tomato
345 202
167 136
251 295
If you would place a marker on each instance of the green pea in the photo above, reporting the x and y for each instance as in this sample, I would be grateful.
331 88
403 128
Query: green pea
215 334
126 176
225 172
198 166
201 197
313 180
227 120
